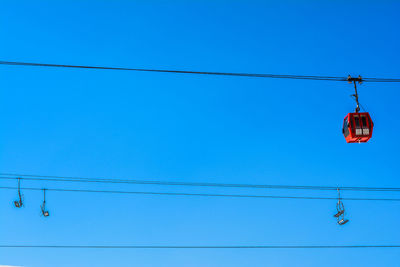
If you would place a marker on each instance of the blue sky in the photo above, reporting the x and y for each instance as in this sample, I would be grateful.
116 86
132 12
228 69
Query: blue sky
197 128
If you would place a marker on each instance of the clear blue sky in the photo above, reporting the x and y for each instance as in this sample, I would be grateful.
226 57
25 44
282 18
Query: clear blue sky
197 128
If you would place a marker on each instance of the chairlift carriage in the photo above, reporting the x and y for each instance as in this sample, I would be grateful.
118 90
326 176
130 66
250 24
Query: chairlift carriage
357 126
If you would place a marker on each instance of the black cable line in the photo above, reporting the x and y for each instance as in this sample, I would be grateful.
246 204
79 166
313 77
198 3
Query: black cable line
200 247
173 71
259 75
194 184
380 80
196 194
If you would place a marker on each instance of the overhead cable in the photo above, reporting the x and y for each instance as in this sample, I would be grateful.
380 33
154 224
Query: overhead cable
200 247
30 177
195 194
254 75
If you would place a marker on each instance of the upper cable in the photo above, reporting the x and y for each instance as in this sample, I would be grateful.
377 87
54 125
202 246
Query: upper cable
254 75
32 177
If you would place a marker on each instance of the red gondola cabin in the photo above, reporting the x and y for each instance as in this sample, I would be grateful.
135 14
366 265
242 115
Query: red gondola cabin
357 127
